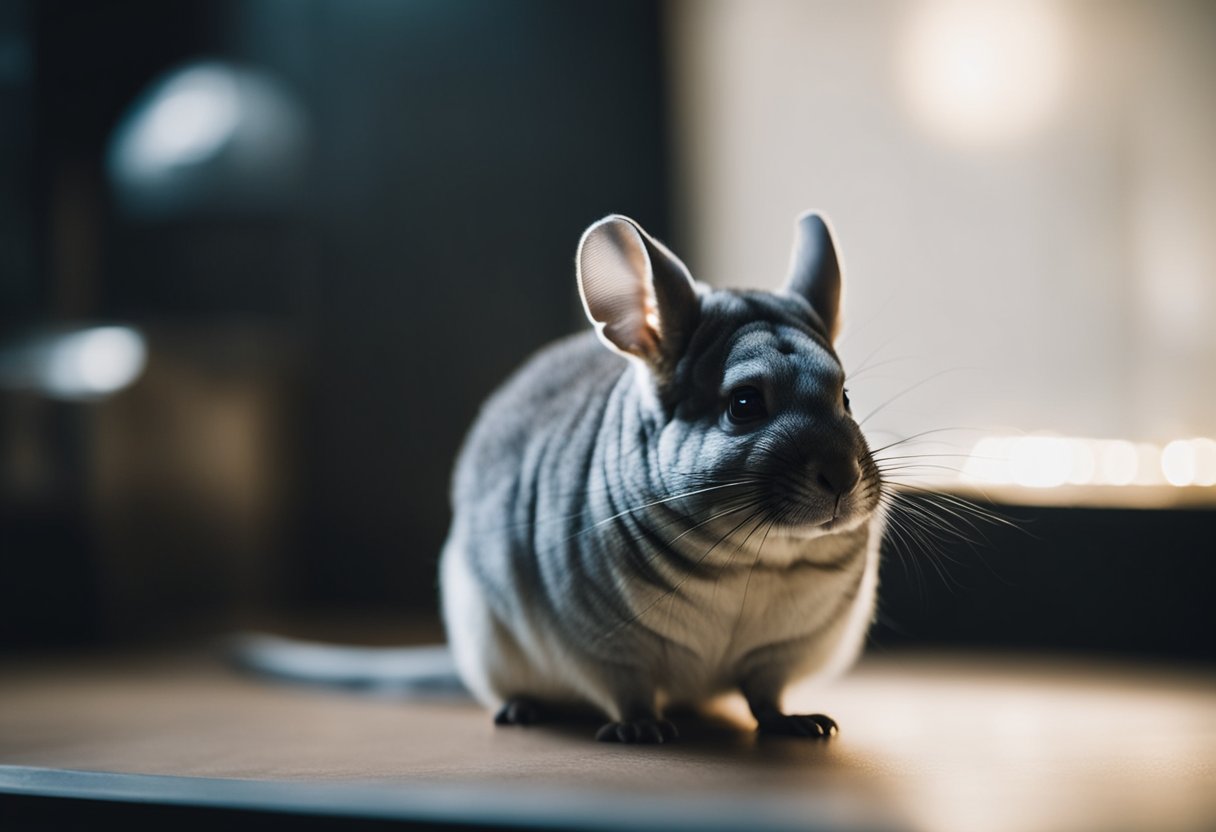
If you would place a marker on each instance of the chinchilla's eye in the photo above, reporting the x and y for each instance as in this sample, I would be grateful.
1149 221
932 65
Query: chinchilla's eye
844 395
746 405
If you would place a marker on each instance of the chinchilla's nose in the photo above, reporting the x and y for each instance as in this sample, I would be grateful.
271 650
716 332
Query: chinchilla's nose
838 476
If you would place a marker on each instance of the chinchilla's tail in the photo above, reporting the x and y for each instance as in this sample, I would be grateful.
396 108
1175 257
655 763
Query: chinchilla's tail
408 671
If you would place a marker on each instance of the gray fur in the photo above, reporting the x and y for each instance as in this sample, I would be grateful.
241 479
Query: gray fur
617 542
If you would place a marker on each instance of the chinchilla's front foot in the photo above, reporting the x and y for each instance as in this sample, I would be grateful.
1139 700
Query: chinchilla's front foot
815 726
519 710
646 730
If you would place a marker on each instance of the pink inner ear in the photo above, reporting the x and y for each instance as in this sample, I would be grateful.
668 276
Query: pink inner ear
615 281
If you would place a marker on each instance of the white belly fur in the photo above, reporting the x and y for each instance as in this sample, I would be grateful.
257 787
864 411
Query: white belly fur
710 624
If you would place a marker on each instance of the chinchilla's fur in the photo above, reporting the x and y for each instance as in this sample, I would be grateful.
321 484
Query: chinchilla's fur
677 505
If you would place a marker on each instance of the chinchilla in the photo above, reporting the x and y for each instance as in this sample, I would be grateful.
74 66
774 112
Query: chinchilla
676 505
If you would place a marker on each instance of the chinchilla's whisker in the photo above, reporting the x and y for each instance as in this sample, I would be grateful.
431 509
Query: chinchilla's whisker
679 519
926 534
867 368
873 353
903 548
918 466
751 503
900 544
744 503
919 456
939 515
874 452
938 526
730 559
734 630
910 389
700 560
543 522
925 541
960 510
654 503
965 506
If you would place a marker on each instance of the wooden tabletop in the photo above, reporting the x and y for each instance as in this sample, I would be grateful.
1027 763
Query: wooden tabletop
927 742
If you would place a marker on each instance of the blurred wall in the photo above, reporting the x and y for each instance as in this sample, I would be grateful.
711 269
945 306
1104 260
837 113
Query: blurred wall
318 342
1024 194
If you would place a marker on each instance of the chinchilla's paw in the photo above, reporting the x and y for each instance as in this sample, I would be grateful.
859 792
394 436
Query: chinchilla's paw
815 726
519 711
638 731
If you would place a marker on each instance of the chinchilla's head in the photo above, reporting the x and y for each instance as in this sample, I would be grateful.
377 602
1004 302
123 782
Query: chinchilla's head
745 389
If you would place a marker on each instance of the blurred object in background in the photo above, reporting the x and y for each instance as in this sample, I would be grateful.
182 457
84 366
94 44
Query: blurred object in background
335 226
283 250
209 138
74 365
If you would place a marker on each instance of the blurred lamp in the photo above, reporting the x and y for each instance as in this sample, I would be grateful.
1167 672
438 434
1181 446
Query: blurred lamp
74 365
208 136
982 72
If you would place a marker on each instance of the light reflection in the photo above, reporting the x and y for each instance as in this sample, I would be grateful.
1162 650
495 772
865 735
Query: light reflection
189 119
1040 461
983 71
1178 462
1119 462
1205 461
208 135
77 365
1049 461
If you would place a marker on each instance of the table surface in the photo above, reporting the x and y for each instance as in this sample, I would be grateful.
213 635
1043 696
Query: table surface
927 742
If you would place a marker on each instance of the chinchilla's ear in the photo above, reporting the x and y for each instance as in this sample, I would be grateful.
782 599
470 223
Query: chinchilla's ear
638 294
815 270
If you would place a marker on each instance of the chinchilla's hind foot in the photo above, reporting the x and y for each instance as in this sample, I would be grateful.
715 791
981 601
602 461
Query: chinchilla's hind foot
520 711
638 731
815 726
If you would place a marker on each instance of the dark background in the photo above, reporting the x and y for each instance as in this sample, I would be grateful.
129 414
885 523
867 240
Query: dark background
315 356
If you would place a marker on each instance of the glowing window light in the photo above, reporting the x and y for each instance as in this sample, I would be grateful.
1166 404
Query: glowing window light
1205 461
1118 463
1084 466
1178 462
983 71
1047 461
1148 465
1041 461
989 461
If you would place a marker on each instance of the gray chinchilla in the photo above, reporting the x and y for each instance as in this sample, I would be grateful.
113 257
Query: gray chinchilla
677 505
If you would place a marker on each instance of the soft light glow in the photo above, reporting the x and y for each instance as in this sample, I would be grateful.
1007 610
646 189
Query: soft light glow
1118 462
983 71
1178 462
212 137
93 362
1084 463
1205 461
1043 461
989 461
1148 465
187 120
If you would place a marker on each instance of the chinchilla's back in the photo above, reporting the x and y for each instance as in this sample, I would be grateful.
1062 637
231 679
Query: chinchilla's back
548 412
522 488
